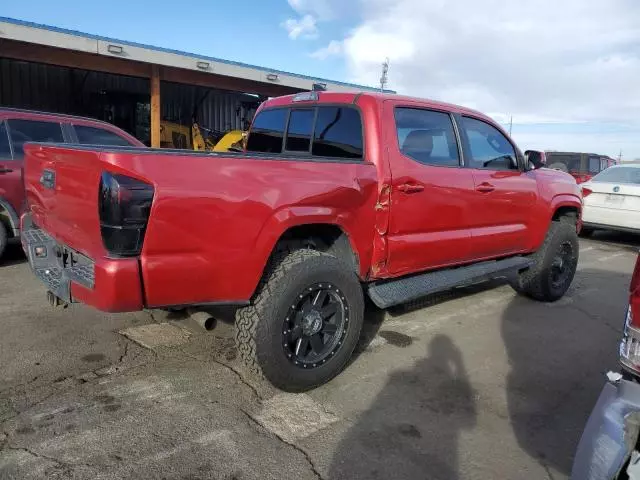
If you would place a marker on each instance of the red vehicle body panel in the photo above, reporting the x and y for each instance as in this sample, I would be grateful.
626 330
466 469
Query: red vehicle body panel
414 244
12 190
501 219
216 218
119 287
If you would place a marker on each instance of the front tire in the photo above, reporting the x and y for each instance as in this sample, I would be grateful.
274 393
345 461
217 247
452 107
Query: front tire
304 322
555 265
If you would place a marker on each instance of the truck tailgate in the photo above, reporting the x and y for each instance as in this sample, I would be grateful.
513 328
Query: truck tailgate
62 194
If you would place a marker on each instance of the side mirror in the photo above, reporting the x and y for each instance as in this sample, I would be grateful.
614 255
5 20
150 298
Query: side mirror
535 158
505 162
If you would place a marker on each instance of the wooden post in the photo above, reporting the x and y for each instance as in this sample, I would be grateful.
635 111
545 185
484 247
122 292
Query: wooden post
155 106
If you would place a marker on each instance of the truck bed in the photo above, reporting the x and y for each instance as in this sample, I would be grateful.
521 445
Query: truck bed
214 219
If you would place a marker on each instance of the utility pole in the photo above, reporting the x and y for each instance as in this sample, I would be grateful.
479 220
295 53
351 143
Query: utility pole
620 157
510 124
383 77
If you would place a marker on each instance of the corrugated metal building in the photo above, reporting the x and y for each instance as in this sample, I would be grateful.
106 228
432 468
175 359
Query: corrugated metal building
58 89
131 85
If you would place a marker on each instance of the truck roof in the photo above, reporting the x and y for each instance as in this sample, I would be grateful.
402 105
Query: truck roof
352 97
38 113
557 152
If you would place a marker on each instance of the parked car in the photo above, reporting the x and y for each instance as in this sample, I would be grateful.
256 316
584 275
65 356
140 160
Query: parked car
337 195
608 448
20 126
581 166
612 200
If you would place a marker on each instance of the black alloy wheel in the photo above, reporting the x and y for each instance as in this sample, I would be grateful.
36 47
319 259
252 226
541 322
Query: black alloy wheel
315 326
562 265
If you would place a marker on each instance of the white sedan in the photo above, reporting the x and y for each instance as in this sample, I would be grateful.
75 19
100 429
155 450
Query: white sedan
612 200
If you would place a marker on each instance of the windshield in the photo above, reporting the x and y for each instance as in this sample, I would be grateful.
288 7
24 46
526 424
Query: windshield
630 175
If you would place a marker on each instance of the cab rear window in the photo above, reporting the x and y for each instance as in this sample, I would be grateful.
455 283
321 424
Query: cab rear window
333 132
267 131
299 130
338 133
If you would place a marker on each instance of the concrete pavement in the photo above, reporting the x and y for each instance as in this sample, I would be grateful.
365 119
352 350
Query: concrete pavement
475 384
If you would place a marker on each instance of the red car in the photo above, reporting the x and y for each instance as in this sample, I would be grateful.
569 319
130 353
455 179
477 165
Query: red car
20 126
338 195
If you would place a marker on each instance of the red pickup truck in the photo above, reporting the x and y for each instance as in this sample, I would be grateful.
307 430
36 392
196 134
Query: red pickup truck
338 195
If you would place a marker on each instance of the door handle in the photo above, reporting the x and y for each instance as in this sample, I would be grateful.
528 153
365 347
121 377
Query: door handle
410 188
6 170
485 187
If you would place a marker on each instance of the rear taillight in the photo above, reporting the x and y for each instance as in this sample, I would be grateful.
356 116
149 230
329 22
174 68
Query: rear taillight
124 204
630 345
586 192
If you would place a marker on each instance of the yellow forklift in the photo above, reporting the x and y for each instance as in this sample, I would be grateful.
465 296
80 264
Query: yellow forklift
199 138
194 137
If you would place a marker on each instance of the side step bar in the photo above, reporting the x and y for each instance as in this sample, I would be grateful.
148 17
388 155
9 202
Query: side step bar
394 292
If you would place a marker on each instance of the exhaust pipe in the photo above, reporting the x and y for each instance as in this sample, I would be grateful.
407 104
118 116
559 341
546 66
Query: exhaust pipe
204 319
55 301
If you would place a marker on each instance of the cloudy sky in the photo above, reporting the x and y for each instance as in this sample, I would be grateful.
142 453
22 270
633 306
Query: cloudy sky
567 71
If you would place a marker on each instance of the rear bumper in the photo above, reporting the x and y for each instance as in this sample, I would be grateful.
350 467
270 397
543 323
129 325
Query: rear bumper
110 285
611 433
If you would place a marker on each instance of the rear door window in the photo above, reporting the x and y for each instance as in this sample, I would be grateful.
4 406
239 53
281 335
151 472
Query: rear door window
5 148
338 133
427 136
23 131
98 136
267 131
300 130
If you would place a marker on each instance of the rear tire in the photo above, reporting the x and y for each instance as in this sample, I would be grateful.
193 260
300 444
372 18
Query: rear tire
289 333
3 238
555 265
